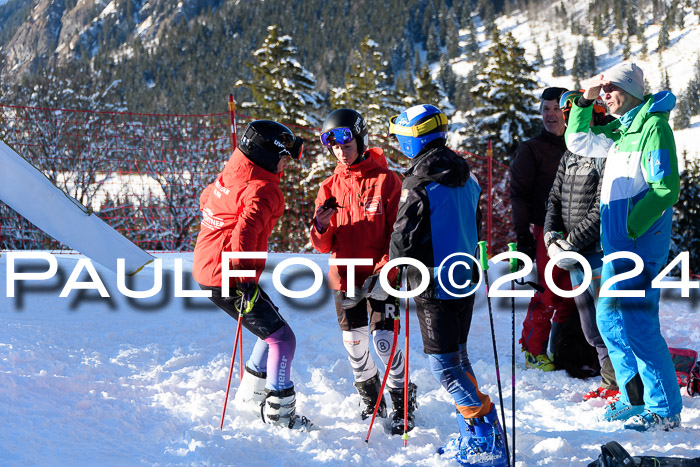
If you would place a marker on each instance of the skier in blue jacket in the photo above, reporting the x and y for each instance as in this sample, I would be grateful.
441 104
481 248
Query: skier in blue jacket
438 217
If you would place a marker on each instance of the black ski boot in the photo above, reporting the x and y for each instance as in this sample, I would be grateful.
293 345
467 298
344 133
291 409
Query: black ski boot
369 391
397 420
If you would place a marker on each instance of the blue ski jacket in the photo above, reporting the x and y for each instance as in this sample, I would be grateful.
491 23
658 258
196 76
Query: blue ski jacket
438 216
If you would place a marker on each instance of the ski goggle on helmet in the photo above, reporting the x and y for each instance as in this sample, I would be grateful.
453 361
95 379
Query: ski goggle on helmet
266 142
416 127
336 136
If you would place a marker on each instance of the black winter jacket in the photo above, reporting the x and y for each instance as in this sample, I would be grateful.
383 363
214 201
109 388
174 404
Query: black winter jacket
532 172
574 202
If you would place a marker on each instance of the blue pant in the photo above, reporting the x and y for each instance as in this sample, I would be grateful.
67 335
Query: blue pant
632 333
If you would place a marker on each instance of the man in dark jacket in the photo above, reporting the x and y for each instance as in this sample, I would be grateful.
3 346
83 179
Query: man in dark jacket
532 172
573 224
438 224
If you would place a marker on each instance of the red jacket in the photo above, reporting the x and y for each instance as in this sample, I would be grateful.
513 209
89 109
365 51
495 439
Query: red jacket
239 211
369 195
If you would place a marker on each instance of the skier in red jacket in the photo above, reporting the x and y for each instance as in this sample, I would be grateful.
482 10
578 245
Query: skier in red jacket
239 212
355 211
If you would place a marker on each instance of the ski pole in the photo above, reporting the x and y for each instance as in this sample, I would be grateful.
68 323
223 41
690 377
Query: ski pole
485 266
405 382
386 375
240 353
388 365
513 268
230 371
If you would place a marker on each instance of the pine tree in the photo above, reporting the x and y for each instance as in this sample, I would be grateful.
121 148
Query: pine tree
694 91
663 36
448 80
368 88
598 27
584 61
626 48
666 83
427 90
452 37
472 43
643 40
558 63
685 234
506 110
539 61
282 88
682 112
432 45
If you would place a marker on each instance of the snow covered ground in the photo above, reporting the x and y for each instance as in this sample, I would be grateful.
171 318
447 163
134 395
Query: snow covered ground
86 380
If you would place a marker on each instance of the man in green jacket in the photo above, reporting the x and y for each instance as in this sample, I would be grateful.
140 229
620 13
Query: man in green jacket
640 186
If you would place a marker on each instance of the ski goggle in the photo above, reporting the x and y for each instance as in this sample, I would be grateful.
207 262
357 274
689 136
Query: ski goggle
286 143
567 100
336 136
437 120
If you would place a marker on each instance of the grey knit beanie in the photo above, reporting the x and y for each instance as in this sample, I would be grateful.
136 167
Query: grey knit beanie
628 77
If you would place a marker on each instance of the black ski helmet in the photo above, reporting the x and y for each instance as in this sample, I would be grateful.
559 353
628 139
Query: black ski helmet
265 142
348 118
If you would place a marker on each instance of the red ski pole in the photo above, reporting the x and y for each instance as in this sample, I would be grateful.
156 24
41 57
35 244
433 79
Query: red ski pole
386 375
230 371
240 354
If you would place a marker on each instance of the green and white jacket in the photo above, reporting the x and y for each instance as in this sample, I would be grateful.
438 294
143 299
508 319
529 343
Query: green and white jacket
641 181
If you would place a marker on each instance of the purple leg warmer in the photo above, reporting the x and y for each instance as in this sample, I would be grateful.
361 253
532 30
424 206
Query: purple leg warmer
282 344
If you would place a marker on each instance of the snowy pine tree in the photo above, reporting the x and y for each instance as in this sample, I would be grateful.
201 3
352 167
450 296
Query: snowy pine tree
682 112
584 61
558 63
663 37
643 41
368 88
282 88
685 235
539 61
428 91
694 90
506 111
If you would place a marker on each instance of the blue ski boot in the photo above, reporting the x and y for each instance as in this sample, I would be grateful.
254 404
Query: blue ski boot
480 442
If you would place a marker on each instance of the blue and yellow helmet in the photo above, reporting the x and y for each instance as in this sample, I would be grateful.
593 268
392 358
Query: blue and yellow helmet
416 127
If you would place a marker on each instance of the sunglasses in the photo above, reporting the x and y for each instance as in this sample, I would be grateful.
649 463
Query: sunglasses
608 88
336 136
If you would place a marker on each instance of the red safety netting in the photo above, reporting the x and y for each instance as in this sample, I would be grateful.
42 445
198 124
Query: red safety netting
143 174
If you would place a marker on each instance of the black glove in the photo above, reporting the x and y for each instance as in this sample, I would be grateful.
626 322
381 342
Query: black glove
247 293
526 244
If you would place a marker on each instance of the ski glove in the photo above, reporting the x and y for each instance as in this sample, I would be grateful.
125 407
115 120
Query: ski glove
527 245
556 244
323 214
247 293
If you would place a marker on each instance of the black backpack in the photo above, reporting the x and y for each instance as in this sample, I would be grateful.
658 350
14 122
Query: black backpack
614 455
